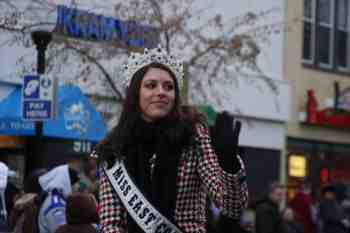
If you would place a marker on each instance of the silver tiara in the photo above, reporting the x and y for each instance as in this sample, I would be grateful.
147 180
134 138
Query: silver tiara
157 55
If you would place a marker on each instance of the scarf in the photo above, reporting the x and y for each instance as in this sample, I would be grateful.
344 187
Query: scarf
157 184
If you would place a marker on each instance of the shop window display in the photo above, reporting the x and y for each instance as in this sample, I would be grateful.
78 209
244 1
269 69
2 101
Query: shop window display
326 163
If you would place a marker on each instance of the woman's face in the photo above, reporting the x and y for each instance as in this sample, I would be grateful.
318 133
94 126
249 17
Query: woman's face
157 94
288 215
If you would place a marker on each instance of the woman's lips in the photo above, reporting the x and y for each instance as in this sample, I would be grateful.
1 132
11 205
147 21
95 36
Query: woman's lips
160 103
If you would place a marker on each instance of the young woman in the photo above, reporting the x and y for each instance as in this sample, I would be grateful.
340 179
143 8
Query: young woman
167 153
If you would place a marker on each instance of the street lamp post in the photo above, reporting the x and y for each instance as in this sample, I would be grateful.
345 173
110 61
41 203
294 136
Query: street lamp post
41 39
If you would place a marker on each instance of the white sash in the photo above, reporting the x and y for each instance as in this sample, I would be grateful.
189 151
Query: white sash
145 215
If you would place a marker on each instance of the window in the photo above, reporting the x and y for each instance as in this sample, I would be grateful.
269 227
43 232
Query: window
309 32
342 48
326 34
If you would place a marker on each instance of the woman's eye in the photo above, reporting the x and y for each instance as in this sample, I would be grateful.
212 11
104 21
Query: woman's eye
150 85
168 86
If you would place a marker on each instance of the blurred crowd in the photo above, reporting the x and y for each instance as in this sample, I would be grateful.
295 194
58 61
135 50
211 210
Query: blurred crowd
325 210
62 199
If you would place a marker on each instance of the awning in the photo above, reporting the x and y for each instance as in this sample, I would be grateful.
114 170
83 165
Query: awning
77 118
11 122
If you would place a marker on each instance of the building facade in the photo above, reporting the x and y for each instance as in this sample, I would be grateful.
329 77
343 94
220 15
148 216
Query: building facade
260 101
316 63
71 134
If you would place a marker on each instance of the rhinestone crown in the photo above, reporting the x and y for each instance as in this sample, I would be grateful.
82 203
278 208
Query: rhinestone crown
157 55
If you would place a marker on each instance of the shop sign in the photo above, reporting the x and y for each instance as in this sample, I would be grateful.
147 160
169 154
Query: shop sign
86 25
297 166
16 127
77 117
82 146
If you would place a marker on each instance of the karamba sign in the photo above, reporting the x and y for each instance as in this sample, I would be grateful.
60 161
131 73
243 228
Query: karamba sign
86 25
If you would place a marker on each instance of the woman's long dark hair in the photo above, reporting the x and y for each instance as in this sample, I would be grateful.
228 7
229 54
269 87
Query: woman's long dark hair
183 118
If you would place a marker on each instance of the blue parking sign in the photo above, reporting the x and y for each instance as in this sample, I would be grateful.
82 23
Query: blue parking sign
31 86
38 97
37 109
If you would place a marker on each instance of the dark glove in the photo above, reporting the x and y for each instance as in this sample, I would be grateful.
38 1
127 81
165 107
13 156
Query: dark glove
225 135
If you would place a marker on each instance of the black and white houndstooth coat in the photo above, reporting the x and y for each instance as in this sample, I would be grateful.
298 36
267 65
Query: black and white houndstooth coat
199 175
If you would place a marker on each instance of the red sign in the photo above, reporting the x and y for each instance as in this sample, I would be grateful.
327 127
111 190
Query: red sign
328 116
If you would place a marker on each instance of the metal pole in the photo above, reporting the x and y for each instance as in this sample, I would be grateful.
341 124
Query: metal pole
41 40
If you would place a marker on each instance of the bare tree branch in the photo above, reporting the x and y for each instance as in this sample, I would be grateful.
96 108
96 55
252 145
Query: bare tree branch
102 69
9 3
207 53
211 46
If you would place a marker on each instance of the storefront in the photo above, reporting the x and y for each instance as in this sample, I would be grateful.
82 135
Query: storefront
319 163
12 150
57 151
75 130
13 131
262 144
318 147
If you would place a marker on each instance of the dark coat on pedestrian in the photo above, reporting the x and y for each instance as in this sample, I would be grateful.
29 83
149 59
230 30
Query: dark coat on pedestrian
81 214
332 214
268 218
302 207
292 227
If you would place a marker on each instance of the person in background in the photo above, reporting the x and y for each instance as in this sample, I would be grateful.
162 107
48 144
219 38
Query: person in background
8 191
303 207
166 150
247 221
268 218
290 225
213 215
88 177
11 195
24 215
331 213
81 214
58 183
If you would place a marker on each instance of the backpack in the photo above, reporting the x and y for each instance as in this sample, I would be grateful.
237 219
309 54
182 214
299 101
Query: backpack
24 217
